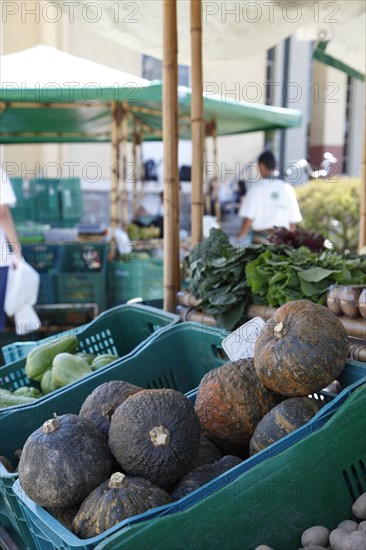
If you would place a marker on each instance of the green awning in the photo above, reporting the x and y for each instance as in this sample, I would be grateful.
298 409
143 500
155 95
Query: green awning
321 55
61 109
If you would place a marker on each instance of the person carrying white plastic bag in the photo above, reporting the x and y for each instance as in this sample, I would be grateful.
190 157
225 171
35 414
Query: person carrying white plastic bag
25 317
21 295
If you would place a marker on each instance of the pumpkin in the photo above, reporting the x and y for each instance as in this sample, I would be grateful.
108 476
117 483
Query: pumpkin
202 475
63 461
100 405
230 402
207 454
282 420
301 349
116 499
155 434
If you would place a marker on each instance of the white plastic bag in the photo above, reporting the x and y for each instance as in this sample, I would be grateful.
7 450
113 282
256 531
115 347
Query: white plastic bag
21 294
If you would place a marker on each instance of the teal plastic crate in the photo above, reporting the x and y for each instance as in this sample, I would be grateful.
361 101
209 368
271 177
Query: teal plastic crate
45 258
81 276
312 482
50 534
71 196
137 277
47 198
123 330
25 208
17 350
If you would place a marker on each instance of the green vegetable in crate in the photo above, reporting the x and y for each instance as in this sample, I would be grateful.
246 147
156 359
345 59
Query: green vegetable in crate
40 358
155 434
88 357
27 391
301 349
283 419
203 474
100 405
68 368
8 399
47 384
103 360
63 461
116 499
230 402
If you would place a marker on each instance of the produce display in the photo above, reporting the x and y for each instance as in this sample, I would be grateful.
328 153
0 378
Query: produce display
132 449
227 279
301 349
137 233
52 366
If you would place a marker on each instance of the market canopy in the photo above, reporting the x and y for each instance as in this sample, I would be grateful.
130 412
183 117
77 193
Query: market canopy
49 96
232 30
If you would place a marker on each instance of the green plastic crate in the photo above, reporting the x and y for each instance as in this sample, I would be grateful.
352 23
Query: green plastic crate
186 352
123 330
227 491
81 276
47 198
72 208
313 482
45 258
25 208
136 277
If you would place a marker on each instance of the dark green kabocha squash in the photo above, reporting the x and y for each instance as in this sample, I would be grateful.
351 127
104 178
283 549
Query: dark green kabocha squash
116 499
100 405
202 475
301 349
282 420
207 454
230 402
155 434
63 461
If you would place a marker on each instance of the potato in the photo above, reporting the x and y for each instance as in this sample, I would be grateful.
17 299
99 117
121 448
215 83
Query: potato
315 536
362 526
348 525
355 541
263 547
359 507
337 539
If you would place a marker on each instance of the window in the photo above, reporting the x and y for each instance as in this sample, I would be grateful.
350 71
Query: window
152 69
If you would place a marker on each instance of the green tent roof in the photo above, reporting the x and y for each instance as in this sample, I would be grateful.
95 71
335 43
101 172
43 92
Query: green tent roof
48 96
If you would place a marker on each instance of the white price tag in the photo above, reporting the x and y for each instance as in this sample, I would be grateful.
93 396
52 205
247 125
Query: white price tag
240 343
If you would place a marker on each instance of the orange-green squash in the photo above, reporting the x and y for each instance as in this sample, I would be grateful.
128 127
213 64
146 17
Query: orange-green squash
301 349
230 402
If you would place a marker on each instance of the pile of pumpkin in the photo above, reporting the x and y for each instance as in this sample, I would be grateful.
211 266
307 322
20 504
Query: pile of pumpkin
54 365
132 449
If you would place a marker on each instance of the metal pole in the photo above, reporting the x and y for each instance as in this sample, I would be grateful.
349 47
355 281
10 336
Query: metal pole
116 117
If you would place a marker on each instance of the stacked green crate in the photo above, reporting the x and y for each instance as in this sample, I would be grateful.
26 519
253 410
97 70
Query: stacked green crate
81 276
59 201
138 276
25 208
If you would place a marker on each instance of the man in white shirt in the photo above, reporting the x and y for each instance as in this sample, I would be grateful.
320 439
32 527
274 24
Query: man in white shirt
8 256
268 203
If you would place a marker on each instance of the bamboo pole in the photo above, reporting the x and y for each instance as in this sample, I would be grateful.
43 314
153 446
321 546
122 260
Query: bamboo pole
170 131
116 113
197 122
134 167
216 180
362 237
124 143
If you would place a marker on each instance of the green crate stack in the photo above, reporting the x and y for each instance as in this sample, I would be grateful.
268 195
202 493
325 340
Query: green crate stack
81 276
59 202
72 207
137 277
48 205
45 259
25 208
